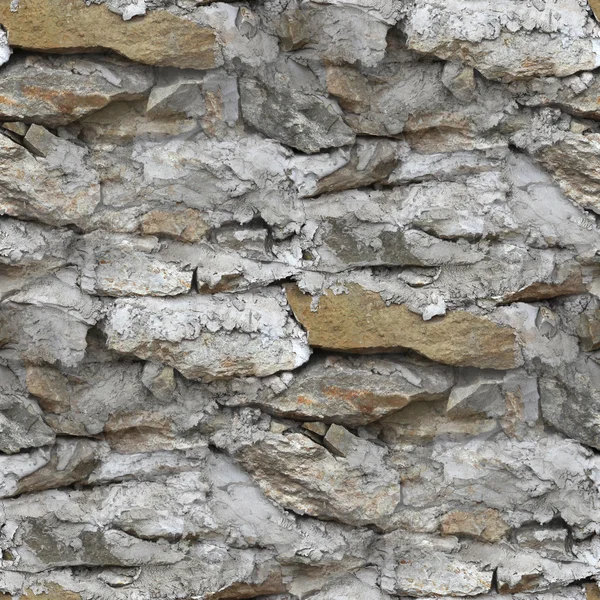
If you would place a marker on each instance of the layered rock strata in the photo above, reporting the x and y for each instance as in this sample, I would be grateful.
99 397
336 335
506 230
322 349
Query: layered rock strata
299 300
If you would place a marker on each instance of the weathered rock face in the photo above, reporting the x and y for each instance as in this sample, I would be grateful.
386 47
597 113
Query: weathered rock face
57 90
210 337
299 300
58 26
357 320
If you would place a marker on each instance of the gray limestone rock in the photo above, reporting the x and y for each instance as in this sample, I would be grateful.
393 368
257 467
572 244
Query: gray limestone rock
57 90
356 391
286 103
417 175
210 337
358 488
21 421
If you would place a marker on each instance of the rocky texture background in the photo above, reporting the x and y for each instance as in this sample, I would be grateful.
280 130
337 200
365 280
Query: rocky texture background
299 299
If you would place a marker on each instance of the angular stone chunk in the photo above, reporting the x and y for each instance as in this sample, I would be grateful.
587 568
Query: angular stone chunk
210 337
79 402
349 33
220 269
588 328
485 525
121 265
417 565
56 90
570 399
159 39
506 39
576 95
573 163
368 163
141 275
48 320
406 93
360 321
355 391
304 477
50 387
477 392
339 441
159 380
570 281
58 189
124 122
286 102
70 461
21 422
24 244
185 225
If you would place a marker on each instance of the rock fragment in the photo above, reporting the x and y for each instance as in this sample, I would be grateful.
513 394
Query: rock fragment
486 525
56 90
159 39
210 337
356 391
358 489
21 421
296 113
360 321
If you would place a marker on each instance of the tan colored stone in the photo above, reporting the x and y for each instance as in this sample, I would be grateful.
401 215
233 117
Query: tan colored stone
349 87
572 284
50 387
140 431
592 592
16 127
53 592
122 122
160 38
360 321
185 225
273 584
485 525
70 462
595 6
589 330
316 427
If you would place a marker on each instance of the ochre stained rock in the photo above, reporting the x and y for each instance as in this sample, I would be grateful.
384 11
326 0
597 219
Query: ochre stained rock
160 38
360 321
185 225
53 592
486 525
572 284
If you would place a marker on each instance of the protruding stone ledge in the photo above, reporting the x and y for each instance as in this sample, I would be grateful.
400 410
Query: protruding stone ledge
359 321
65 26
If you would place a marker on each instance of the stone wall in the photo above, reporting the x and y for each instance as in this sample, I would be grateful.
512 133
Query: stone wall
299 299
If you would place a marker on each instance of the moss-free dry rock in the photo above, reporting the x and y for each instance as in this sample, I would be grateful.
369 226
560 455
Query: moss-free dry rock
360 321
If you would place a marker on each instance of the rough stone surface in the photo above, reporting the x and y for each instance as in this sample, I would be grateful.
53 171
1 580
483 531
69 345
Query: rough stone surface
358 320
299 300
57 90
160 39
195 335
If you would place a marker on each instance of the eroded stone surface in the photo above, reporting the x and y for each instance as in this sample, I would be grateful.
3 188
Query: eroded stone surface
210 336
56 90
159 39
421 177
371 326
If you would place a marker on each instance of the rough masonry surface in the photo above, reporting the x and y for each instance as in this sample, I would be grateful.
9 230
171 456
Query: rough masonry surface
299 299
